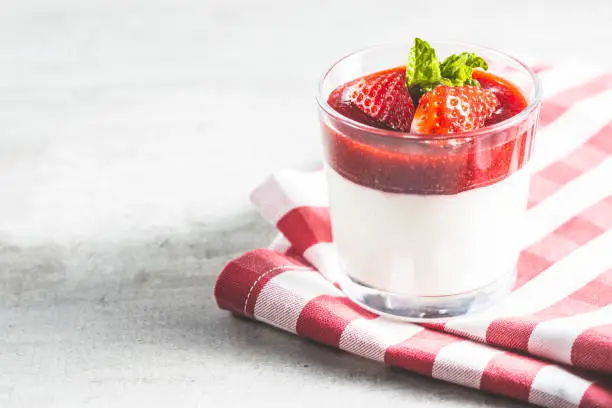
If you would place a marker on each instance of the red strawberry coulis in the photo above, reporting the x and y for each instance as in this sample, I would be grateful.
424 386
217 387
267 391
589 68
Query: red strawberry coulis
445 164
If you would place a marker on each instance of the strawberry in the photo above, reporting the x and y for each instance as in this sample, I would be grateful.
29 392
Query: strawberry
451 109
447 97
384 98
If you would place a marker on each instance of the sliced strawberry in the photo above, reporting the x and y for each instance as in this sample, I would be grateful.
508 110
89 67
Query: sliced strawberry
380 100
448 109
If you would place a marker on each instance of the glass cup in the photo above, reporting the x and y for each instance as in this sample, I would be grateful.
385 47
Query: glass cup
427 226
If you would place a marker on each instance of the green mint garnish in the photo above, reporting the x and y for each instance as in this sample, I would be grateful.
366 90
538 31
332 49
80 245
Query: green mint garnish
422 69
457 68
424 72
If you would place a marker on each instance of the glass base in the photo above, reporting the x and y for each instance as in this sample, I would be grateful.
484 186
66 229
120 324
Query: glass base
428 308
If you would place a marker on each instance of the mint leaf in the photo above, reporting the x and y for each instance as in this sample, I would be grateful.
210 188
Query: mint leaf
424 72
422 67
457 68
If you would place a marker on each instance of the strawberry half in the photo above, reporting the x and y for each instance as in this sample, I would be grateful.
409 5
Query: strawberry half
448 109
384 98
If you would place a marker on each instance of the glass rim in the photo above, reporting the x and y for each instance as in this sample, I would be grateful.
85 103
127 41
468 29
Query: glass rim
505 124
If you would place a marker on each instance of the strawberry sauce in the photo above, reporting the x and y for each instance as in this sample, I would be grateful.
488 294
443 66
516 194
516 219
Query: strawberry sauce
431 165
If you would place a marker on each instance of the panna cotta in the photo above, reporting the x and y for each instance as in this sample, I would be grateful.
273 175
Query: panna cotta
428 181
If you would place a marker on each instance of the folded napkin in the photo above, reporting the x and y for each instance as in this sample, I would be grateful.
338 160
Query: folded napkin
548 343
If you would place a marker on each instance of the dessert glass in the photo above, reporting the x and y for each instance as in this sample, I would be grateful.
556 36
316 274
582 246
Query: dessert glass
427 226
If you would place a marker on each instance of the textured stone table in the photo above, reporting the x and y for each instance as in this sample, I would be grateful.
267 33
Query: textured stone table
131 134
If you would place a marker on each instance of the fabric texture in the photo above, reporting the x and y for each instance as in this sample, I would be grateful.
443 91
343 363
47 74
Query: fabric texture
549 343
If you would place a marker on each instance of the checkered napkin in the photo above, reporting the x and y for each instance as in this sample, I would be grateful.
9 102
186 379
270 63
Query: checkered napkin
548 343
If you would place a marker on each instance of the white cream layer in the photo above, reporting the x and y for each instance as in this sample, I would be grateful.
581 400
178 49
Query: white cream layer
428 245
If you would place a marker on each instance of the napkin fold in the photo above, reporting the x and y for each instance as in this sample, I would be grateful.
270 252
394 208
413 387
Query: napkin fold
548 343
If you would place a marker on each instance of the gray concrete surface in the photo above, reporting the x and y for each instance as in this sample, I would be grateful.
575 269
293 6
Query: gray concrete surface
131 134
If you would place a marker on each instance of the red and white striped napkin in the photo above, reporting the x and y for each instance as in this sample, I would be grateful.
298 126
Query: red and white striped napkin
549 343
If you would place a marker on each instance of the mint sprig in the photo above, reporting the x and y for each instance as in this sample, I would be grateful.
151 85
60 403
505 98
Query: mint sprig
457 68
424 72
